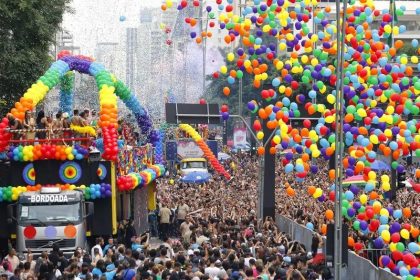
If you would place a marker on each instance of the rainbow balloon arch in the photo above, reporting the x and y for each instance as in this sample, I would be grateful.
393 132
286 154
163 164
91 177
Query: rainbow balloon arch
61 71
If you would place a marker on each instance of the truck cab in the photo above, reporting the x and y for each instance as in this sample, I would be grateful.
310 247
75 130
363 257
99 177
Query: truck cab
189 165
50 217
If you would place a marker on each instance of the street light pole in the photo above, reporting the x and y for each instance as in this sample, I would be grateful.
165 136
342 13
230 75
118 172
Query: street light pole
339 145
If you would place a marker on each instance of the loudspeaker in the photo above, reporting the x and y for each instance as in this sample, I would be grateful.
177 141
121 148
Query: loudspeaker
330 243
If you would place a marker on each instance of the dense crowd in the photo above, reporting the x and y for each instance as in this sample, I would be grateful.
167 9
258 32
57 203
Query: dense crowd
208 231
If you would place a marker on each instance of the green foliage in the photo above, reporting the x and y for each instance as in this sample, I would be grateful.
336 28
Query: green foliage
27 29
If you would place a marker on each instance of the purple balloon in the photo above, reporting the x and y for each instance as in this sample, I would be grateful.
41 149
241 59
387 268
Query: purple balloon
385 260
378 243
363 225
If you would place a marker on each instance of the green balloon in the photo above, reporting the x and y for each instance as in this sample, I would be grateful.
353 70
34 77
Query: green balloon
356 225
239 74
418 153
346 203
297 113
211 15
400 247
394 164
351 109
362 209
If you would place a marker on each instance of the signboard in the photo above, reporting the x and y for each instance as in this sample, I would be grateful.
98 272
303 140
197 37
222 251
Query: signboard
200 113
239 136
48 198
188 149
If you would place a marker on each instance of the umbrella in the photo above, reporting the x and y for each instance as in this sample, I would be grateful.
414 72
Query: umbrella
379 165
196 177
358 179
223 156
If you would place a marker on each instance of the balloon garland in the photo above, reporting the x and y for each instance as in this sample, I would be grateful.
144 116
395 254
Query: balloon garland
66 93
46 152
207 152
89 130
93 191
143 178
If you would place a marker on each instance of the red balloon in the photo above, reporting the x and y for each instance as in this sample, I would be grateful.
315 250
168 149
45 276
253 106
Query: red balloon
307 123
395 237
202 101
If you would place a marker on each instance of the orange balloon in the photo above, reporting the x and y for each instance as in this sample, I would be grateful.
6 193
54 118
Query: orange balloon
350 241
329 214
290 191
260 151
273 150
311 190
262 114
374 195
406 212
324 229
417 173
305 157
226 91
415 232
331 173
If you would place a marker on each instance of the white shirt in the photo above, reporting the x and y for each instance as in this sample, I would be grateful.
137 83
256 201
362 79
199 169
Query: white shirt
93 249
212 271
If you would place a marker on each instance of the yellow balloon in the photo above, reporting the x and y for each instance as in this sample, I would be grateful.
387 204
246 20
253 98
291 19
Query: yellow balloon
260 135
363 198
386 236
384 212
331 98
405 234
276 139
230 56
317 193
223 69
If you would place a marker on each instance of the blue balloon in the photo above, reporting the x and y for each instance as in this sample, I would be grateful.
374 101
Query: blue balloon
288 168
397 214
310 226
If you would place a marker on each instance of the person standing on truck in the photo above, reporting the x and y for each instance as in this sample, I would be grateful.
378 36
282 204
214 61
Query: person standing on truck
99 244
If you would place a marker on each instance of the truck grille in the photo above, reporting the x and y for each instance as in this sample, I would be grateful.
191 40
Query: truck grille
48 243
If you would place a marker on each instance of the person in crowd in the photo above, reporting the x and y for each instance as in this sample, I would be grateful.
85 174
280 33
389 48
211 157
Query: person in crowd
29 124
98 245
42 124
165 215
12 258
15 124
130 232
57 125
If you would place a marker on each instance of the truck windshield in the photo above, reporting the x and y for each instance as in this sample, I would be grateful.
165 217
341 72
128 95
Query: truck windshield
44 214
193 164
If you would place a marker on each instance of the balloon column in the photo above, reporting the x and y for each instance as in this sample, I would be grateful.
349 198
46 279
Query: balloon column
66 93
207 152
143 178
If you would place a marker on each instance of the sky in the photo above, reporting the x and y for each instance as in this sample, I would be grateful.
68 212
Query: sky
96 21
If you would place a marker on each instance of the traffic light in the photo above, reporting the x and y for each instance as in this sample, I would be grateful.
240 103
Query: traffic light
401 180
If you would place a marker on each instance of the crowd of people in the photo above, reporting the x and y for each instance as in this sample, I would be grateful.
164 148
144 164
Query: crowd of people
209 231
44 126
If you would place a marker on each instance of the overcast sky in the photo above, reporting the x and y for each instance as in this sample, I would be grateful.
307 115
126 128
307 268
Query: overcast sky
99 20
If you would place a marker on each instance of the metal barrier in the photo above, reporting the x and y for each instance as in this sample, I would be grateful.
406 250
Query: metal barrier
358 266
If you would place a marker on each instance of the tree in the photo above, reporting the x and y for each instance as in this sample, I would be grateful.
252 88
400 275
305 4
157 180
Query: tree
27 29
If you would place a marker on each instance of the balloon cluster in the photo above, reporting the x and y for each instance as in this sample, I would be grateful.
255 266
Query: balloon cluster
143 178
159 147
66 93
46 151
94 191
4 135
207 152
225 112
99 144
